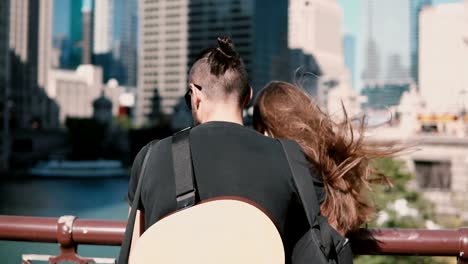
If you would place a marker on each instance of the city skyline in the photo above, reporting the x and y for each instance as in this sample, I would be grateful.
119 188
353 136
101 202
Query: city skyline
354 23
395 40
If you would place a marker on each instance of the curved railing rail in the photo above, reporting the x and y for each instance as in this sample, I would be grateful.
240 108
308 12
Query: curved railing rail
70 231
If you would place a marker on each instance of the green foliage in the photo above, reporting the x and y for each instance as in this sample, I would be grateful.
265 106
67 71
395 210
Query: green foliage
418 210
124 122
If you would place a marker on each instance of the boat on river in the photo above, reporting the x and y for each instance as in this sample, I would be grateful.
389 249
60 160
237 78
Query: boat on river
66 168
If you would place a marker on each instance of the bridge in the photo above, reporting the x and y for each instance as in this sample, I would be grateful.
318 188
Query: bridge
70 231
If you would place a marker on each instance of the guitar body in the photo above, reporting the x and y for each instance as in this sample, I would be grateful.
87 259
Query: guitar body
214 232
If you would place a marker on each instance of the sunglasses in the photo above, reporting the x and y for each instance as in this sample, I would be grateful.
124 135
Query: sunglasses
188 95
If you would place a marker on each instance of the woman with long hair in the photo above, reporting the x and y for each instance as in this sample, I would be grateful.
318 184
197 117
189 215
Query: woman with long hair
337 150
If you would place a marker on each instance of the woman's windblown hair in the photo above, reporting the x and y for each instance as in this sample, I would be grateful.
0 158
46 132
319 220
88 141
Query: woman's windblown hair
337 150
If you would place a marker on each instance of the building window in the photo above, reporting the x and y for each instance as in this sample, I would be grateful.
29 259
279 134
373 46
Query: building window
172 32
172 15
172 90
433 174
172 81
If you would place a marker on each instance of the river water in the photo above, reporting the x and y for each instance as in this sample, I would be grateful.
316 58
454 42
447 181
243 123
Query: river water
98 198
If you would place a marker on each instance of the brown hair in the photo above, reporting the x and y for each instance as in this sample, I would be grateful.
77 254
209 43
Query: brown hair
337 150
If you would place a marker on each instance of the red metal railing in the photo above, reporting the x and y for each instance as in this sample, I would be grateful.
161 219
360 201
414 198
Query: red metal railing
70 231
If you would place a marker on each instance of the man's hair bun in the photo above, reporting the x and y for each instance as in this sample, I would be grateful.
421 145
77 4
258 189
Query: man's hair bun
226 47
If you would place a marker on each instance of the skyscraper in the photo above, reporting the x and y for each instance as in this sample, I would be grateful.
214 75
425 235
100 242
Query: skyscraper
103 37
76 33
163 54
115 39
266 52
315 27
87 39
127 31
372 63
103 26
385 38
415 9
443 60
396 72
349 43
270 47
209 20
30 44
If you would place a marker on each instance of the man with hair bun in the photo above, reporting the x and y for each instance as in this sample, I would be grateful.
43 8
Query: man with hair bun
228 159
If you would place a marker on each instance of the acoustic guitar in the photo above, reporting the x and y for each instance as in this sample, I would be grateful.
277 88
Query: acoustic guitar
221 231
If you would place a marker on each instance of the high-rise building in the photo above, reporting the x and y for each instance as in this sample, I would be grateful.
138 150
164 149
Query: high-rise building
248 24
87 39
114 27
315 30
315 26
103 37
76 33
443 60
396 71
349 43
384 39
270 47
4 86
415 9
372 63
266 52
163 54
103 26
126 31
30 44
209 20
199 23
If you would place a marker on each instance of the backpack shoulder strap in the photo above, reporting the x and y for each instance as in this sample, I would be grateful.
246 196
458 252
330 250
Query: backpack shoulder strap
183 169
302 180
305 188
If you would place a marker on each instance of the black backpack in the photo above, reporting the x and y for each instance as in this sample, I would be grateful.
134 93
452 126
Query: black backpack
321 244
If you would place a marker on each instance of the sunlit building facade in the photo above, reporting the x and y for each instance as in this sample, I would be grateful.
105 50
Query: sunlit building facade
102 26
30 44
443 60
75 90
315 26
163 55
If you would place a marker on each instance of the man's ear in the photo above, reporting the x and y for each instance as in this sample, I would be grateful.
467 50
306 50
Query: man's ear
197 97
249 98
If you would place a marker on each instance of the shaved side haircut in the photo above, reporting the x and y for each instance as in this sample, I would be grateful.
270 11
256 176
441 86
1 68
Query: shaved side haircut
221 72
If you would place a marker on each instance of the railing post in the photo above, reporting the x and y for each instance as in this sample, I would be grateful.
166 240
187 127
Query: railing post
463 255
68 247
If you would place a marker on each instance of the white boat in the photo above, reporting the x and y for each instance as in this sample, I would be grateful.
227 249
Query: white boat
95 168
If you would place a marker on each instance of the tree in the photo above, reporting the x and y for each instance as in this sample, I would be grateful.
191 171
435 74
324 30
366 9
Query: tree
399 207
156 116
